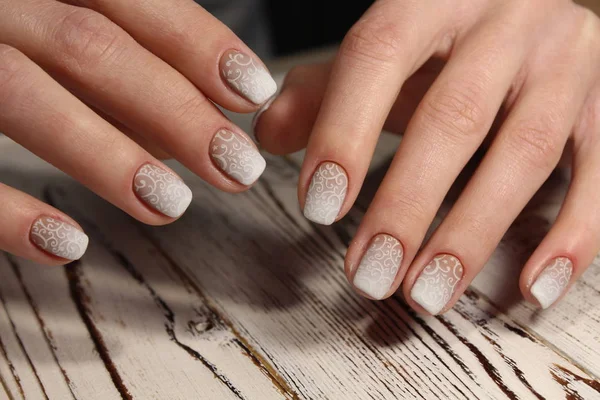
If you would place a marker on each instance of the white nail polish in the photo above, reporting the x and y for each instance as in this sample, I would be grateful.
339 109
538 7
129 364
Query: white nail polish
435 286
379 266
326 193
235 155
59 238
247 77
553 281
162 190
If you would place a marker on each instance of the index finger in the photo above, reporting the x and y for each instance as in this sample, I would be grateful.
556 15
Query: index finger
391 41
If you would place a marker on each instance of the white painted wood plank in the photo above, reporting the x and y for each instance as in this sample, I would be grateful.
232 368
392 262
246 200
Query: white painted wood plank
208 360
10 345
572 326
279 281
7 379
3 391
196 328
30 335
70 341
138 332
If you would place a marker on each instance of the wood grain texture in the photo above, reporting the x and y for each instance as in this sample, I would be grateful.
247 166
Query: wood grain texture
278 281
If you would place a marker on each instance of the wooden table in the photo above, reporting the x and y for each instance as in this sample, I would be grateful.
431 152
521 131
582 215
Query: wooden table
245 299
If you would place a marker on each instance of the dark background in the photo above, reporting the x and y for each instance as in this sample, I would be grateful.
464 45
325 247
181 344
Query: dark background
305 24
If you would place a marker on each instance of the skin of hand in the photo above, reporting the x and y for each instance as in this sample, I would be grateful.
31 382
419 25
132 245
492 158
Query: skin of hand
103 90
521 76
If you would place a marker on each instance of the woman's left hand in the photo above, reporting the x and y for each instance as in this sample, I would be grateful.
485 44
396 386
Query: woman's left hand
537 61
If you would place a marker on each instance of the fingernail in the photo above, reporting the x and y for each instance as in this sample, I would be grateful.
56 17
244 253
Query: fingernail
162 190
379 266
435 286
553 281
259 114
248 77
326 193
235 155
59 238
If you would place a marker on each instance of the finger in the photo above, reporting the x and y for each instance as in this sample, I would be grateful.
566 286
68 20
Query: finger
198 45
284 125
38 232
111 71
521 158
144 142
447 128
379 53
41 115
574 240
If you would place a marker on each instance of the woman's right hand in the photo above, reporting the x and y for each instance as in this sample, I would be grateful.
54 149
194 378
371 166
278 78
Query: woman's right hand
102 90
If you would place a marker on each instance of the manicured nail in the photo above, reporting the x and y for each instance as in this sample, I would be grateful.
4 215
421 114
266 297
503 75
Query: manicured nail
259 114
59 238
326 193
235 155
379 266
162 190
435 286
247 76
553 281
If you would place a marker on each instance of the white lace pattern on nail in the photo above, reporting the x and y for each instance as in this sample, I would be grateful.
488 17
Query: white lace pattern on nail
248 78
551 283
59 238
162 190
326 194
237 157
435 286
379 266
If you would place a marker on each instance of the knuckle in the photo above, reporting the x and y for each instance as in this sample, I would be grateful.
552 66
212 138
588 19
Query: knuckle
188 110
537 143
87 38
409 206
376 39
456 111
